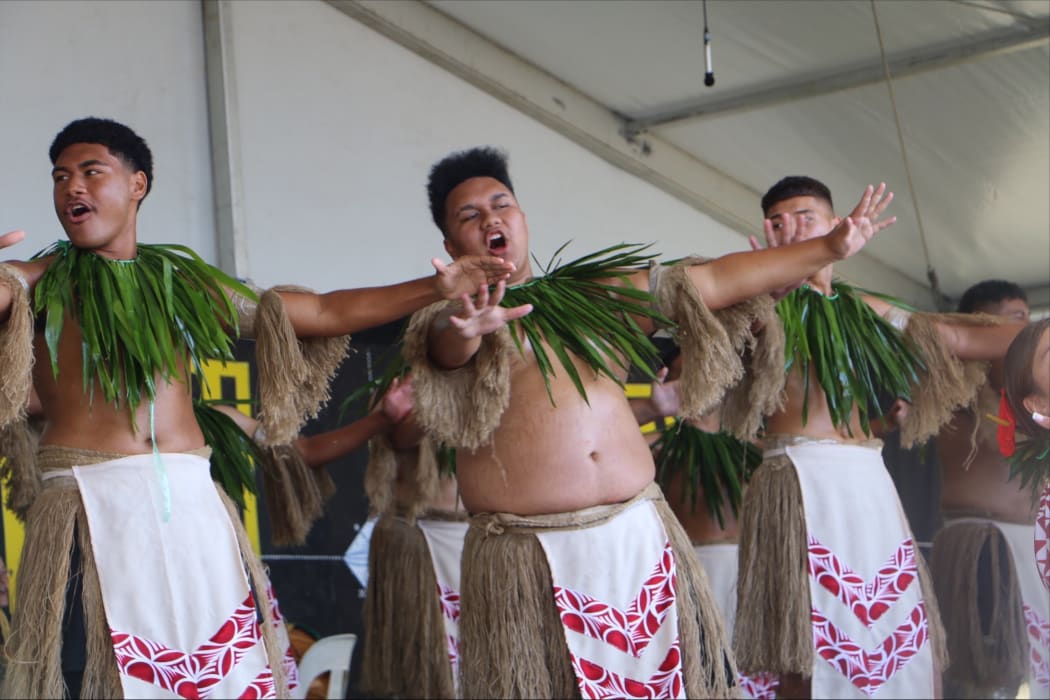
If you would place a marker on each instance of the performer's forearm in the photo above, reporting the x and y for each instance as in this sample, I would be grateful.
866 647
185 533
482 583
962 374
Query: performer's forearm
978 342
352 310
5 303
318 450
737 277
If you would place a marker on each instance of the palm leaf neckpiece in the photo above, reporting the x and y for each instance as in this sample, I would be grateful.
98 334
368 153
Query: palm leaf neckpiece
856 354
142 321
577 308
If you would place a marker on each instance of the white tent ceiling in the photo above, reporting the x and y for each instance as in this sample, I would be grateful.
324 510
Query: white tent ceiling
800 89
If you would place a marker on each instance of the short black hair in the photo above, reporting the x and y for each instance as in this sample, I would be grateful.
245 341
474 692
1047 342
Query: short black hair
450 171
119 139
795 186
989 292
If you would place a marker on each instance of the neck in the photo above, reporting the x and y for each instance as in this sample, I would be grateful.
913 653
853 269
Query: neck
521 275
821 281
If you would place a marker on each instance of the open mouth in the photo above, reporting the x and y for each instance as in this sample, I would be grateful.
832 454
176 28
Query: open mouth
497 243
78 212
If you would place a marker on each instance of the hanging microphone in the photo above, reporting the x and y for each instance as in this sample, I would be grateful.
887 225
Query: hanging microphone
709 73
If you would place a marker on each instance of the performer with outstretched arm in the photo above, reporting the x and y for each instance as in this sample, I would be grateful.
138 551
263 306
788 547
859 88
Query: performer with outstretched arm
118 502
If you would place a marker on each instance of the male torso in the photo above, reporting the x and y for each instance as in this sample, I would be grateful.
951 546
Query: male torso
547 458
74 419
976 479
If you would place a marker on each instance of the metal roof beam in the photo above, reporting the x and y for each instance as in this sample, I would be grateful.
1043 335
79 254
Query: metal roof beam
901 65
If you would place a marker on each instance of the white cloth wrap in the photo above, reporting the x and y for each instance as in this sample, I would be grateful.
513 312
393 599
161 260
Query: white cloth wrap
870 628
175 592
445 542
617 604
721 563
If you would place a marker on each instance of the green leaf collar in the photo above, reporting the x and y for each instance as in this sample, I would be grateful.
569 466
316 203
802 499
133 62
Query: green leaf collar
575 309
856 354
140 318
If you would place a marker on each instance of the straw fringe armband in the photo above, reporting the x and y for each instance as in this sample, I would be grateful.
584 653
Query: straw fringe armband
16 348
735 355
461 407
381 475
948 383
294 373
295 493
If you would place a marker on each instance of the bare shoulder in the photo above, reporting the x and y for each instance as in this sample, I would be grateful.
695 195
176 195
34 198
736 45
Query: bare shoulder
880 306
31 270
639 279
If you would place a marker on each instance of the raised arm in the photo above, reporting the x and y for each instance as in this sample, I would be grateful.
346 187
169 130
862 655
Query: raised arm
392 410
455 336
965 341
351 310
318 450
737 277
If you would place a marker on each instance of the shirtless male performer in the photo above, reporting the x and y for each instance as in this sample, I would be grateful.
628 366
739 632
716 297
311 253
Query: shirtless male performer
833 594
982 562
125 497
565 518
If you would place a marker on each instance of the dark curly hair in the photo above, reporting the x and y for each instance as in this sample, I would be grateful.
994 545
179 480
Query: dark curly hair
120 140
989 292
795 186
450 171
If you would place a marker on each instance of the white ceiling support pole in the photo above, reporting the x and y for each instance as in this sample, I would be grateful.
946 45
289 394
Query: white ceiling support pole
225 138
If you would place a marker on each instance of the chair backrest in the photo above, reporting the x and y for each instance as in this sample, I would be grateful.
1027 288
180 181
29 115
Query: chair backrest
330 654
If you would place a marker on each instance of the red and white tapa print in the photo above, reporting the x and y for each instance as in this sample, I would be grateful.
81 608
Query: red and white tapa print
291 669
617 605
870 630
1042 537
445 542
177 601
1036 604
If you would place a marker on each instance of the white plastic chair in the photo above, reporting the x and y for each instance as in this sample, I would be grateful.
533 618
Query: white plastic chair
330 654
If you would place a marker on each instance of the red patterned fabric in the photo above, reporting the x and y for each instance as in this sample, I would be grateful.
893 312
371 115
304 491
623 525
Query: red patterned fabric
869 670
599 682
628 630
1039 647
868 600
449 599
1042 537
759 686
193 674
291 669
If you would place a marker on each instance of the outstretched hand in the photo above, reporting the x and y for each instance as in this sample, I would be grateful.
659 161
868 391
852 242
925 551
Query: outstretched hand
856 230
466 273
485 315
10 238
398 401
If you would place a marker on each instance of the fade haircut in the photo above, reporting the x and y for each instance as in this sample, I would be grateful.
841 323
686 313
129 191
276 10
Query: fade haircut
118 139
450 171
989 292
795 186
